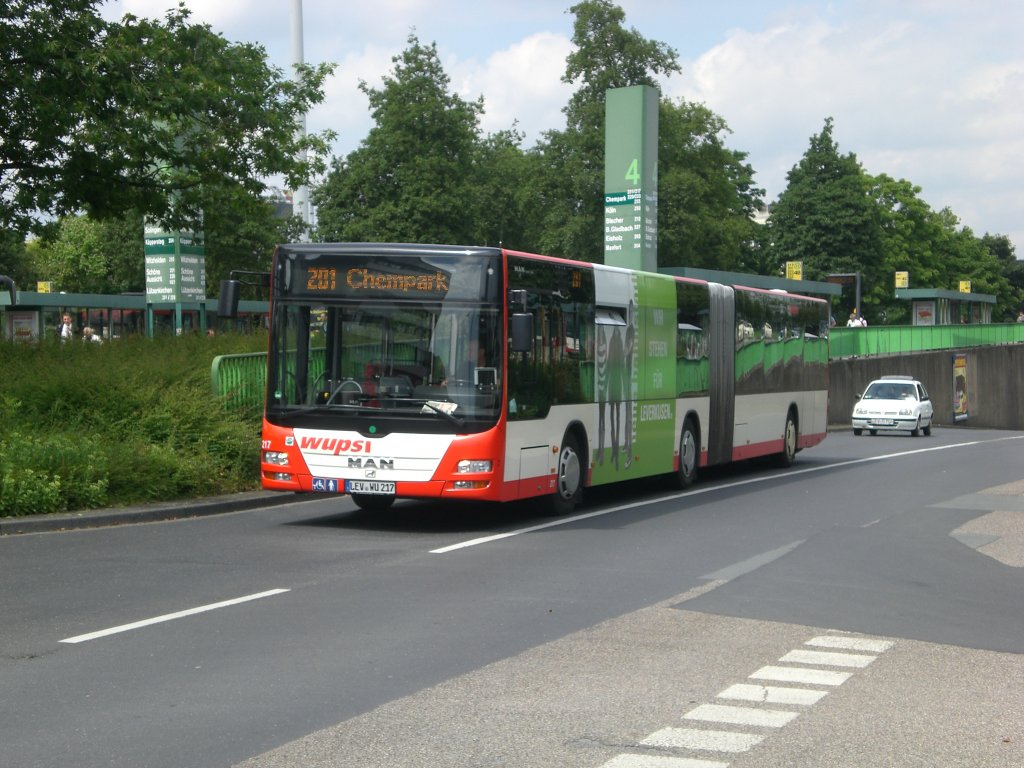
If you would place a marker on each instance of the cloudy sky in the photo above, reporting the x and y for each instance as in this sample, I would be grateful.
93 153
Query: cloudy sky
931 91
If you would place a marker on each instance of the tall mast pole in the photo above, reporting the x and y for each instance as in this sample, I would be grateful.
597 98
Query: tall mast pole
300 199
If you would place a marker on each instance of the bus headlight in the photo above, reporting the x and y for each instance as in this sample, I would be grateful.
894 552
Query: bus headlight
279 458
472 466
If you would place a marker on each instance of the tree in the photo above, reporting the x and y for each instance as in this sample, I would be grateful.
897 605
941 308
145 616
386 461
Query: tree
706 193
570 163
935 250
140 115
965 257
825 216
910 236
240 233
89 256
411 177
1001 247
502 191
14 259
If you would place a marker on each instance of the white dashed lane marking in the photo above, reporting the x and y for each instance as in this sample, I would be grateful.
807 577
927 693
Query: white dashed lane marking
843 651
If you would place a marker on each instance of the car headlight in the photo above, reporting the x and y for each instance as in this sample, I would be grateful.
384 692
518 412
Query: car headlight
275 457
906 411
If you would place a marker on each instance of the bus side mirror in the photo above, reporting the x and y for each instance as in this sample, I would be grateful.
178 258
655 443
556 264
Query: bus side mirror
522 332
227 301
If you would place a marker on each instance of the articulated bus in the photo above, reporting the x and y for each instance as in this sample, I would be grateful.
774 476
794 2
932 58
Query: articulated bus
479 373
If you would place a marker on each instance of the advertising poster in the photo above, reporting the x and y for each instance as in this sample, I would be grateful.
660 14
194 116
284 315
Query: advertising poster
924 313
959 387
22 326
635 360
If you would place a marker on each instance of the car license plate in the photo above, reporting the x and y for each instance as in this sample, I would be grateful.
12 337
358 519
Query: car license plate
376 487
883 422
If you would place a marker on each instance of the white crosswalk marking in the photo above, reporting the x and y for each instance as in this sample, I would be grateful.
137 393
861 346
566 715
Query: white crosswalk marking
841 651
771 694
801 675
829 659
712 741
850 643
660 761
724 713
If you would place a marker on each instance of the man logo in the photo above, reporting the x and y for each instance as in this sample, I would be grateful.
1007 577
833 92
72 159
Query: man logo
355 462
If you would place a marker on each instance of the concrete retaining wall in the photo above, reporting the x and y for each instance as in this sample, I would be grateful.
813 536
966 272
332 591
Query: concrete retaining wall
995 383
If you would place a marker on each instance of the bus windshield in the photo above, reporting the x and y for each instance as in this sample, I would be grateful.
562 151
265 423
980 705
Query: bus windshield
348 358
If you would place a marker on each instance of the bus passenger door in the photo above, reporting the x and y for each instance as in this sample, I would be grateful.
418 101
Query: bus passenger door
722 374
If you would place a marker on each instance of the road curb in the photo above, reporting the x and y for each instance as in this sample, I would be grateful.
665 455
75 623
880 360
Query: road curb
148 513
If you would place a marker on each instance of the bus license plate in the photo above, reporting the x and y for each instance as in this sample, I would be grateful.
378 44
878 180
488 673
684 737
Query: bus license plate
377 487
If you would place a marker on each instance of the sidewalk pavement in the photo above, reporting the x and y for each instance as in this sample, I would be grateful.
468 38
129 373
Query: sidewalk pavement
149 513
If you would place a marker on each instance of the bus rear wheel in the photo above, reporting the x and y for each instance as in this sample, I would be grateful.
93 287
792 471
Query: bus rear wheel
790 437
689 455
568 479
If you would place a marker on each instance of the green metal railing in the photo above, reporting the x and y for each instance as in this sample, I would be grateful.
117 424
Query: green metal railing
903 339
241 379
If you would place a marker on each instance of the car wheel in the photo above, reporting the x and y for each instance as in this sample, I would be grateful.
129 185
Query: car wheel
927 430
858 432
873 431
917 428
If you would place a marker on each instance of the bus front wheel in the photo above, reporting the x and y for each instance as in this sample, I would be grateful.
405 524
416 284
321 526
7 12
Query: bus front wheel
568 479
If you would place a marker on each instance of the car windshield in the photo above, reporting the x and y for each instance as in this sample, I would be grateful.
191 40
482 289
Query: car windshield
884 390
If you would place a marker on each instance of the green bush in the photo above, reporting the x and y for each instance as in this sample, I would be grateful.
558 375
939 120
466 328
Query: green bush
26 492
90 425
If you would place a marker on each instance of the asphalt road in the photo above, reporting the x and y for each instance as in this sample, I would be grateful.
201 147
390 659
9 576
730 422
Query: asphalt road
863 608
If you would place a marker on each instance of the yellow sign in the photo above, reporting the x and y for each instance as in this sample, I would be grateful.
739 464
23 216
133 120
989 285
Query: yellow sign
44 286
965 286
794 270
902 279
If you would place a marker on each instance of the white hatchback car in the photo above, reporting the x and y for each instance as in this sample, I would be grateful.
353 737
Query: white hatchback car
893 404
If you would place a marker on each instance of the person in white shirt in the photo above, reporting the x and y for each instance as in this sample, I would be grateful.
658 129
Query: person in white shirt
66 330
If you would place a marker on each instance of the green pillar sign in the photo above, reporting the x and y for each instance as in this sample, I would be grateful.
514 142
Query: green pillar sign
175 267
631 178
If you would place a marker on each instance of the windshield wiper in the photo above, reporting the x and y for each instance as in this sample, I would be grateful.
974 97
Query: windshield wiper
458 421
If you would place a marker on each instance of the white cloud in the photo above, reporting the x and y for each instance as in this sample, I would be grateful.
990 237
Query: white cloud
915 100
520 83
